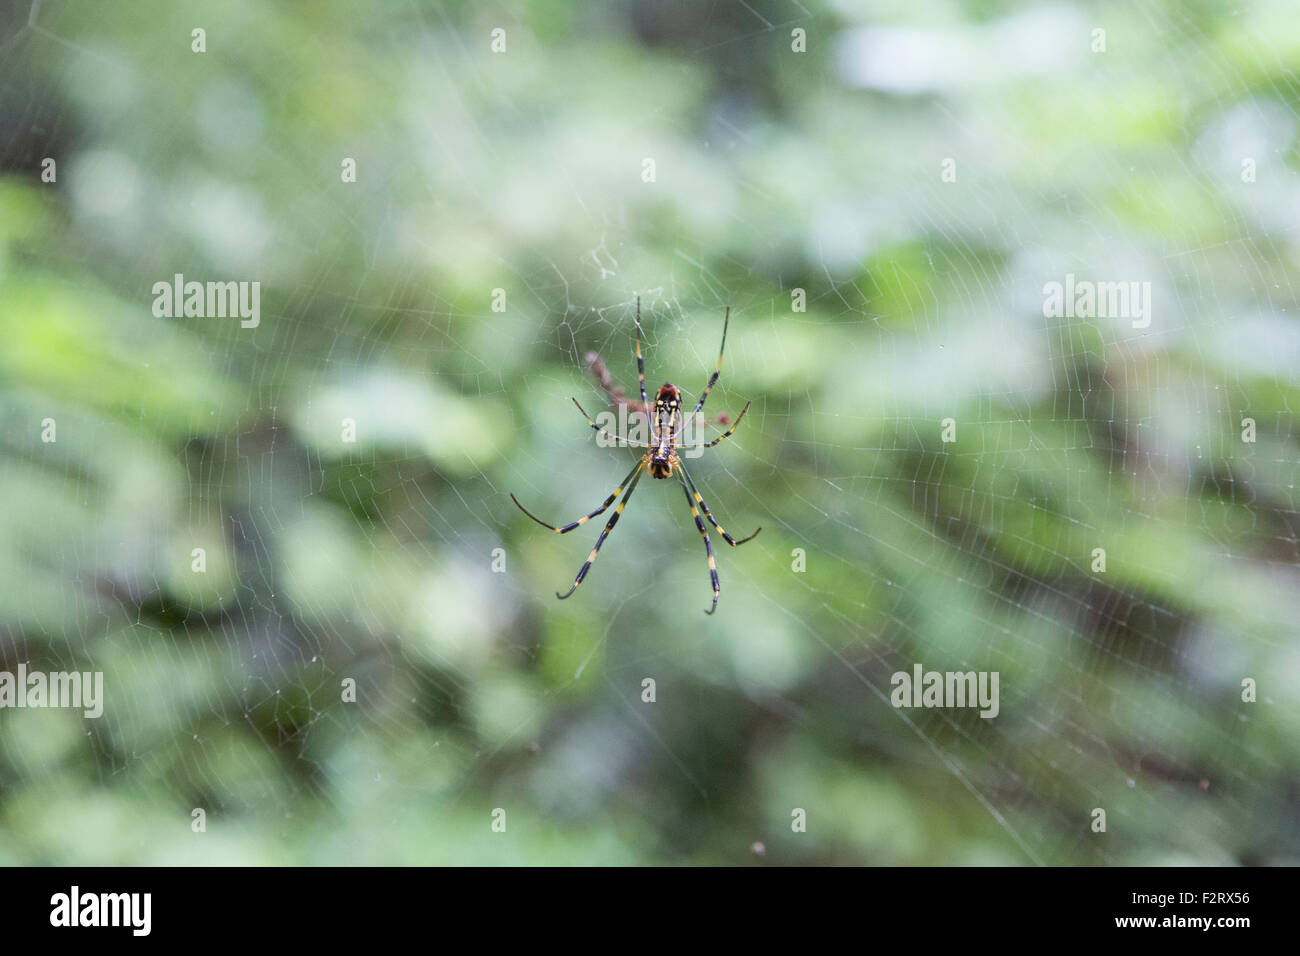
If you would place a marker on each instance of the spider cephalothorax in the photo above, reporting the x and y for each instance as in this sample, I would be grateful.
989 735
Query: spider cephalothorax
661 460
660 464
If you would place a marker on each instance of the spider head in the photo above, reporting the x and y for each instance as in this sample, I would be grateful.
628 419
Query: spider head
660 466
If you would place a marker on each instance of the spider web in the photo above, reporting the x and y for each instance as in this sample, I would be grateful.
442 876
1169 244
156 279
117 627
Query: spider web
516 181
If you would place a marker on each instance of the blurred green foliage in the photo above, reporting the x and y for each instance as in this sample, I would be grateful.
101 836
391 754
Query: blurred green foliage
522 171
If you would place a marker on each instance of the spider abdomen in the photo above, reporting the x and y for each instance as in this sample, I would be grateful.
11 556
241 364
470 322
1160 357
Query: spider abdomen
661 460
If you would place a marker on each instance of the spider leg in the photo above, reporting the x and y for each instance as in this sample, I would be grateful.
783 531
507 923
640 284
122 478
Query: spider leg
713 379
581 521
614 438
721 420
613 520
640 362
709 514
722 436
708 547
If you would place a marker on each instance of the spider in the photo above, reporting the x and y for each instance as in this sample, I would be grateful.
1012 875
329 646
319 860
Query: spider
660 459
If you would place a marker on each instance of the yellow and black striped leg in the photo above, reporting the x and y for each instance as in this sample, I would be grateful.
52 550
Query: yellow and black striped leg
709 514
626 442
581 521
720 437
640 362
713 379
613 520
708 547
